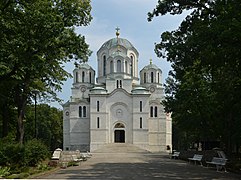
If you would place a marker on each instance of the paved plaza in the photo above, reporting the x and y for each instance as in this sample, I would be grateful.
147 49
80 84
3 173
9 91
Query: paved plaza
123 163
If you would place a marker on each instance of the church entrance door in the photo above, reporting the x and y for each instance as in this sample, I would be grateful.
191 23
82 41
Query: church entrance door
119 136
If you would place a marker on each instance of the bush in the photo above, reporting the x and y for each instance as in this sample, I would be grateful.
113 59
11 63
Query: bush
43 167
4 171
11 154
53 164
35 152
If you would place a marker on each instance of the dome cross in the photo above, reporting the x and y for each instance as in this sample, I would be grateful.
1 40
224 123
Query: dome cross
117 31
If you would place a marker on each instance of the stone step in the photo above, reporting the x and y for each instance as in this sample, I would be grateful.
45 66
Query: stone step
119 148
66 156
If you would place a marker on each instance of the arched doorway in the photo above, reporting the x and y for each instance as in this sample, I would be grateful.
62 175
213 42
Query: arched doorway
119 136
119 133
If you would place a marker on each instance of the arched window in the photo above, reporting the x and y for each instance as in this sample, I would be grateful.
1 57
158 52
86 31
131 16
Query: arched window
119 125
155 111
144 77
126 70
76 77
152 77
83 76
120 83
118 66
98 122
140 122
151 111
158 78
90 76
117 84
111 67
98 106
104 65
132 66
80 111
140 106
84 111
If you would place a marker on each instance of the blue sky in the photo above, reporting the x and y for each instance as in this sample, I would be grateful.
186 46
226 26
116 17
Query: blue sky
131 17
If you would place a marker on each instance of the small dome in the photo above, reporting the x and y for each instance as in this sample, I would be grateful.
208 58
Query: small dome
140 90
151 66
84 66
98 90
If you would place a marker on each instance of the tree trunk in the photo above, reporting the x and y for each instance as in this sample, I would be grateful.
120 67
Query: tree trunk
229 132
5 120
21 99
20 125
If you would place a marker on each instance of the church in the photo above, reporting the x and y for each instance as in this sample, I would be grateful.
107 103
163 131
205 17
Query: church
117 106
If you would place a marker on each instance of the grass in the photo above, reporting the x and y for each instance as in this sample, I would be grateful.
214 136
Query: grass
27 172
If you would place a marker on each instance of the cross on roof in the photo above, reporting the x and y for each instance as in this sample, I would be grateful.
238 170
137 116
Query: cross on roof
150 61
117 31
117 28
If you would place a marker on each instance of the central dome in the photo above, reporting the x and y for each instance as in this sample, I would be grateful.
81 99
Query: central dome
117 41
117 58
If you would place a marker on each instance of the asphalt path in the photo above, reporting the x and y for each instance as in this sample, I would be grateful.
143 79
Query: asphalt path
140 165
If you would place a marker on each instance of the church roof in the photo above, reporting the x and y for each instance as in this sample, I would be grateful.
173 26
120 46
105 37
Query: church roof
140 90
118 42
98 90
151 66
114 42
84 66
117 53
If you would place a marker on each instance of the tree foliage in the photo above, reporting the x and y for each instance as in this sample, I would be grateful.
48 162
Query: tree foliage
17 156
34 152
49 125
203 89
37 38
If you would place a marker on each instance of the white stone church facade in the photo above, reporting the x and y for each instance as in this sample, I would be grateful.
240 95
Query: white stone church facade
118 107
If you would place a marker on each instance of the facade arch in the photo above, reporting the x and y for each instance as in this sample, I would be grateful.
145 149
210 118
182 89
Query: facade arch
104 65
118 66
119 132
111 66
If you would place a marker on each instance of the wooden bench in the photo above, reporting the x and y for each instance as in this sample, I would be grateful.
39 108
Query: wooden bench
175 155
218 162
195 158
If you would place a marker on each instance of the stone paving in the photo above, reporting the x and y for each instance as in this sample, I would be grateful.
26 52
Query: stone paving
124 162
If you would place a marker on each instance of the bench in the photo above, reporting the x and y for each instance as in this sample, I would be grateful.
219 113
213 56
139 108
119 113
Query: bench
218 162
195 158
76 159
85 155
56 155
175 155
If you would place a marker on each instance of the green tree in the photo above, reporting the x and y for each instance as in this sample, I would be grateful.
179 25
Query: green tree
203 90
37 38
49 124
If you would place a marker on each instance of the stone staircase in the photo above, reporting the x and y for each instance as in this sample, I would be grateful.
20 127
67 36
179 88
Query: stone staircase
120 148
66 156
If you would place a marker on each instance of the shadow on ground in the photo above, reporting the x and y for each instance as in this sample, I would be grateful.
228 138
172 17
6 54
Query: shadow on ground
142 166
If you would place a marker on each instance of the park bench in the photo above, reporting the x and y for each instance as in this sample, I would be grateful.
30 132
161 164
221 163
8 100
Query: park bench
175 155
57 153
86 155
195 158
221 154
218 162
77 159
